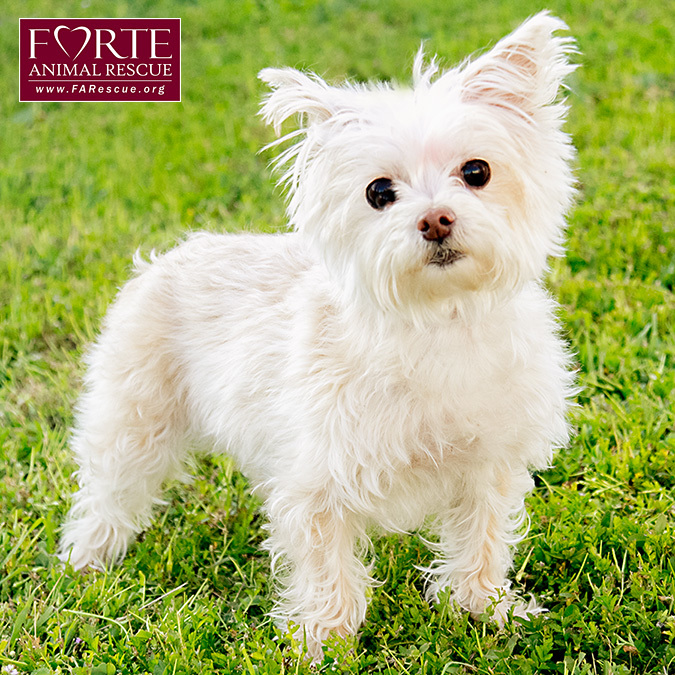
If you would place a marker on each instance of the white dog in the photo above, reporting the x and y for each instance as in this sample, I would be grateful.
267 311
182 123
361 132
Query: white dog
392 361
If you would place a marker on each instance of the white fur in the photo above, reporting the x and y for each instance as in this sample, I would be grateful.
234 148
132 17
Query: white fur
356 384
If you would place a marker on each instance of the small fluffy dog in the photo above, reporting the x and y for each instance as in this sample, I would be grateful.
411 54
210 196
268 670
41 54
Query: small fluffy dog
392 361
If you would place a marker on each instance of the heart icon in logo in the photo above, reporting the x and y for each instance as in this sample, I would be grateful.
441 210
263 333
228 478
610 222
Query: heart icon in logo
87 33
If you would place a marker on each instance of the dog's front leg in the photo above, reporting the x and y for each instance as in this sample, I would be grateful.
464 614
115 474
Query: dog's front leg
314 546
477 531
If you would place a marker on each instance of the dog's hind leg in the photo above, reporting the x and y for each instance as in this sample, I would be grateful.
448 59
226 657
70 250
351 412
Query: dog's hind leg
129 434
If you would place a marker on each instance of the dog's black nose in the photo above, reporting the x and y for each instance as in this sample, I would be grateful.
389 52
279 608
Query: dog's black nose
437 224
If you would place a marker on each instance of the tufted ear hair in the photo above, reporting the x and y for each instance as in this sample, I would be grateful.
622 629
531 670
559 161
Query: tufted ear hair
524 71
296 93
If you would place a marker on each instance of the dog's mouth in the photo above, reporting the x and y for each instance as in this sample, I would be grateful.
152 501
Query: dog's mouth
442 256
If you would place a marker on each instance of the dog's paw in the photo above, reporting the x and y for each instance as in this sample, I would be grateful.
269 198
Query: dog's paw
93 544
84 560
509 605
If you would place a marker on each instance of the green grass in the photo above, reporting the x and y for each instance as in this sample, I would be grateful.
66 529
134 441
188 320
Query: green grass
84 185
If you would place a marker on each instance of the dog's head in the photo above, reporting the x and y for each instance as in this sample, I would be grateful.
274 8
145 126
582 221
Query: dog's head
453 189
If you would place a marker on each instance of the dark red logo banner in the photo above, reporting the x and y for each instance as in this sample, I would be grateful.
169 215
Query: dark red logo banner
99 59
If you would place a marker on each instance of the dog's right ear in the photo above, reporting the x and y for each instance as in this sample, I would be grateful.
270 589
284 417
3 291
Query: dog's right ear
295 93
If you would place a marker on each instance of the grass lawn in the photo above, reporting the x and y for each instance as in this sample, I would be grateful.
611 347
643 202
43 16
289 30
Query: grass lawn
83 185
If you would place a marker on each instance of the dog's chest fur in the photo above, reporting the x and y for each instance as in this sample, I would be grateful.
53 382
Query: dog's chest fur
401 410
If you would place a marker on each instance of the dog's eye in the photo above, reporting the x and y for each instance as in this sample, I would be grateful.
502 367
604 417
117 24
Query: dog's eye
476 173
380 193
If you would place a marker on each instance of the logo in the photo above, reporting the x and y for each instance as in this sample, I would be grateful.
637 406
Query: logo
99 59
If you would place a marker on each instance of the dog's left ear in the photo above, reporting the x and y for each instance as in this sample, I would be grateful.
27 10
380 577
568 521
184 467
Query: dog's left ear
524 71
296 93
